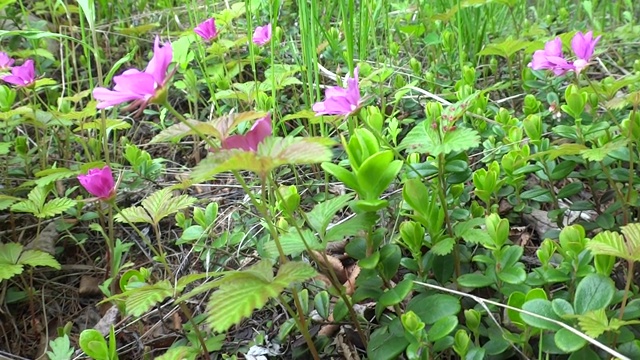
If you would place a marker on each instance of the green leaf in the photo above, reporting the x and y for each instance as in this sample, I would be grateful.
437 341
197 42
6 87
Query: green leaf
423 139
322 214
343 175
55 207
272 153
177 131
9 255
94 344
594 292
48 176
158 205
385 344
513 275
543 308
475 280
243 291
431 308
12 260
180 352
443 246
61 348
351 227
505 49
608 243
376 174
599 154
442 328
397 294
38 258
594 323
293 244
568 341
140 300
134 214
632 235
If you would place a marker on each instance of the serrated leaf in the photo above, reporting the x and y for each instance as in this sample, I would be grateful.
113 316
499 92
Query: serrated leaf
177 131
48 176
292 243
423 139
243 291
134 214
162 203
272 153
294 271
632 236
55 207
322 214
61 349
6 202
594 323
140 300
237 299
26 206
12 260
608 243
9 255
156 207
598 154
443 247
38 258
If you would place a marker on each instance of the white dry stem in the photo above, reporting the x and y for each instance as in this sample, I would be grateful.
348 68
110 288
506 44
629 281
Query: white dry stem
484 302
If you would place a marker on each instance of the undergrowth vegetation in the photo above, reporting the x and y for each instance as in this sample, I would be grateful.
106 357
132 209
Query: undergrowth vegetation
319 179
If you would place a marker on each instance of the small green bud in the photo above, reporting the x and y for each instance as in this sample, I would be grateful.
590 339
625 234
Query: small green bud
472 318
416 66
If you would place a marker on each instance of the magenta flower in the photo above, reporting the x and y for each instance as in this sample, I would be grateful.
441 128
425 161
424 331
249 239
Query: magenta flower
140 87
551 58
340 101
583 46
262 35
99 183
23 75
207 29
249 141
5 61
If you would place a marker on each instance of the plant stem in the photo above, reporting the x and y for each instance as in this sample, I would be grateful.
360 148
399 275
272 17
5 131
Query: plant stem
442 194
264 211
627 287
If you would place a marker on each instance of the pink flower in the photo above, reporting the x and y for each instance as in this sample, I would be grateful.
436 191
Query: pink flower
583 46
5 61
207 29
99 183
249 141
134 85
551 58
340 101
262 35
23 75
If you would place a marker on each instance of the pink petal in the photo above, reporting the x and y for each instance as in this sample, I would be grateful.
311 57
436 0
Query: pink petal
107 98
159 63
259 131
236 142
135 82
